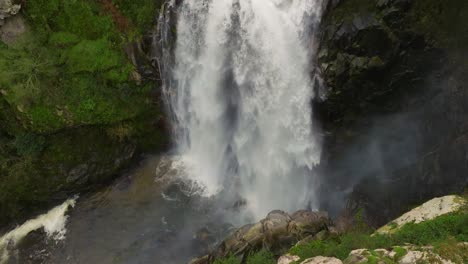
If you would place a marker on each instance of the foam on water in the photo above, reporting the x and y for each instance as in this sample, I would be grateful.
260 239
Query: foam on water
240 96
53 223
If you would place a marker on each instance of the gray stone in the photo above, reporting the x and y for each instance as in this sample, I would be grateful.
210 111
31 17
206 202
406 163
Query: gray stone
322 260
13 28
276 233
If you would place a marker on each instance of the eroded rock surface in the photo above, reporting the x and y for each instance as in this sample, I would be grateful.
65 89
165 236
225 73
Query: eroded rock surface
427 211
389 67
8 9
277 233
322 260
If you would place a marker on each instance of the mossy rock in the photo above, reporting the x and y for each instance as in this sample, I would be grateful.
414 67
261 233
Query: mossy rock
37 170
71 116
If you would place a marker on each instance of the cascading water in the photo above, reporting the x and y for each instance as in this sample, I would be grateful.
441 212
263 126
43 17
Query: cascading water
241 94
239 86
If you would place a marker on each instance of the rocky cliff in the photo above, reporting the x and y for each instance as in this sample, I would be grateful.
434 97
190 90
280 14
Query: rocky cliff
396 103
434 232
79 97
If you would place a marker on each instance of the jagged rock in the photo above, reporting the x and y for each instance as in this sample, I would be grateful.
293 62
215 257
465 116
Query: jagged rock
322 260
287 259
429 210
8 9
412 255
416 256
357 256
411 72
277 233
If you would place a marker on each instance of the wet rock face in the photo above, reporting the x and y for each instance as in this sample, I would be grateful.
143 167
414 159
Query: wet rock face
362 41
396 101
278 232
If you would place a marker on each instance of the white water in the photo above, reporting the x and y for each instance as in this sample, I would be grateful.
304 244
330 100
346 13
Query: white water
53 223
241 99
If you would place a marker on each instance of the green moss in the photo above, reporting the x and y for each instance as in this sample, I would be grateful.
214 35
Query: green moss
22 69
91 88
71 70
93 56
80 17
372 260
43 119
63 39
400 252
141 12
29 144
63 85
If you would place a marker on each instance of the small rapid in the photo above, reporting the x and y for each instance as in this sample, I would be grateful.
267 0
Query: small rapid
149 215
53 223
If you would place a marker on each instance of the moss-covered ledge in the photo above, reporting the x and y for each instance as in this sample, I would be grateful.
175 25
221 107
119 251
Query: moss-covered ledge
74 110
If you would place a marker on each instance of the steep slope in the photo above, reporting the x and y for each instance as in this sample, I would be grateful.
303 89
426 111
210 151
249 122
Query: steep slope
78 97
395 109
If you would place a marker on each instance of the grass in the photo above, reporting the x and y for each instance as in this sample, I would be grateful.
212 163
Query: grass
451 227
260 257
71 69
444 233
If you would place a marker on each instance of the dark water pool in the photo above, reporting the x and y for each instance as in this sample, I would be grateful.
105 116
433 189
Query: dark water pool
147 216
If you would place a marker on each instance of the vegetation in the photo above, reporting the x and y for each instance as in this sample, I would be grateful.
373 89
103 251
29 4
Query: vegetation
440 231
444 233
261 257
67 98
140 12
70 70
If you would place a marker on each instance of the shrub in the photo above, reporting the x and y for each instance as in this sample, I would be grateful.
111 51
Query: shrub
29 144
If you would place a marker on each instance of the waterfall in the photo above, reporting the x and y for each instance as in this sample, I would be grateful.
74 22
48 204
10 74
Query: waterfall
240 97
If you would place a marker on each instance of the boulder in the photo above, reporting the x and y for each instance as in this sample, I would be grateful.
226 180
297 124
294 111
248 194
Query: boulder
322 260
417 256
400 255
8 9
388 67
427 211
277 233
288 259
